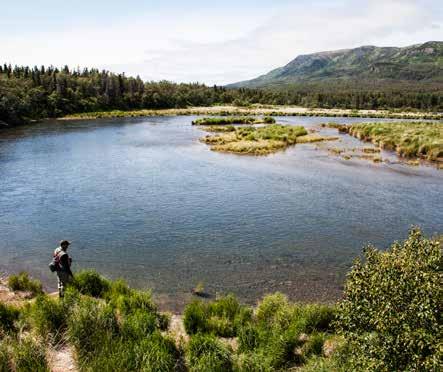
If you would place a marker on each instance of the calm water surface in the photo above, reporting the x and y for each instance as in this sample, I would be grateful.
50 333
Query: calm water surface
142 199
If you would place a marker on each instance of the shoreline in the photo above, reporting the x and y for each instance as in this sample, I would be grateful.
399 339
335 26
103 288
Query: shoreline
256 111
304 292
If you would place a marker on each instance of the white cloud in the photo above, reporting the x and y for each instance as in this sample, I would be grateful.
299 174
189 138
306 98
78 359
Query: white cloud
227 46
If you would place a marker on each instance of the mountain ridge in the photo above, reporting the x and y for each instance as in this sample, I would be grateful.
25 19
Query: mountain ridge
414 63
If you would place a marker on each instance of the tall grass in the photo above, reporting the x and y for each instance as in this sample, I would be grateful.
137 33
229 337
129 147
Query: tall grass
119 329
22 282
89 282
47 316
278 335
205 353
222 317
28 355
408 139
8 317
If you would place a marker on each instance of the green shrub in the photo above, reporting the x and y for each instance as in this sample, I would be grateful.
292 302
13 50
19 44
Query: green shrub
222 317
319 318
111 354
314 345
29 356
89 282
133 301
89 323
48 317
157 354
205 353
274 310
280 346
22 282
8 316
391 312
195 317
152 354
139 325
248 338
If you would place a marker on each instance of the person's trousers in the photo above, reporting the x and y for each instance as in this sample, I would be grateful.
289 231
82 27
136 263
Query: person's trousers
63 279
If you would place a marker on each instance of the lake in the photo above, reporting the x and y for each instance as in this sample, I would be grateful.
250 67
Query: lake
143 199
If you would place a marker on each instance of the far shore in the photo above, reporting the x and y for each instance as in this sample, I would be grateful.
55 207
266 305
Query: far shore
265 110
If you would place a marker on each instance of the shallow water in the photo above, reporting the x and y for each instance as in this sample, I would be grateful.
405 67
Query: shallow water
143 199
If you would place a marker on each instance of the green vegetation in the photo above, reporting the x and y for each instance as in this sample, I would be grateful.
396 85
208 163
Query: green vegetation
389 320
261 140
40 92
22 282
391 312
221 317
47 317
206 353
219 129
253 110
315 137
234 120
29 356
408 139
89 282
8 317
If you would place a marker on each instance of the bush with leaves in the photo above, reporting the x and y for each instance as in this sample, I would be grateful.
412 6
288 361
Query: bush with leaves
392 309
22 282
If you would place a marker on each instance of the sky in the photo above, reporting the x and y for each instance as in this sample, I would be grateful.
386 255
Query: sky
213 42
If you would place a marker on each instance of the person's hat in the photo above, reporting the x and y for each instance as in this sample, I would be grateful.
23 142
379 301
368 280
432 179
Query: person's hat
64 242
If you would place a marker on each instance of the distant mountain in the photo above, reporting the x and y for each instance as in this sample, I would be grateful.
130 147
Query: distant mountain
415 63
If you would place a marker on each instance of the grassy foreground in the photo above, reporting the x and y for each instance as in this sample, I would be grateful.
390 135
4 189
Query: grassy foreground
388 320
408 139
259 140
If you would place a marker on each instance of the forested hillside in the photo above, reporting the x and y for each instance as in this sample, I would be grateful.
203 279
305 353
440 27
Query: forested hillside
47 92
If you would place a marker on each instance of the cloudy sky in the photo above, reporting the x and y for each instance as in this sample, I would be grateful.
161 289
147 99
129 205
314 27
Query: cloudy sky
214 42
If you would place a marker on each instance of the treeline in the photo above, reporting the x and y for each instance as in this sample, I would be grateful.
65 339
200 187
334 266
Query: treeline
34 93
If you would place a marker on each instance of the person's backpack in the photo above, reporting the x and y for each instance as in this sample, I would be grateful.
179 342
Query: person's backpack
54 265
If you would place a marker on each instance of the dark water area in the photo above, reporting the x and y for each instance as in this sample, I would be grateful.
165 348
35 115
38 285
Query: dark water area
143 199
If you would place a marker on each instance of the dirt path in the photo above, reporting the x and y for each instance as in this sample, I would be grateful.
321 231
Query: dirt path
62 359
177 330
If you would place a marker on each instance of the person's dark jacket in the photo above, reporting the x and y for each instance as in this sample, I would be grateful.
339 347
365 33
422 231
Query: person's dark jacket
65 263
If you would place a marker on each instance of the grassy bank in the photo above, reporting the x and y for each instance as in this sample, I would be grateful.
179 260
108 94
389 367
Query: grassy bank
230 120
112 327
261 140
257 110
408 139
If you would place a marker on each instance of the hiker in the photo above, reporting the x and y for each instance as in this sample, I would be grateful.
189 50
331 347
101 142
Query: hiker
62 264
